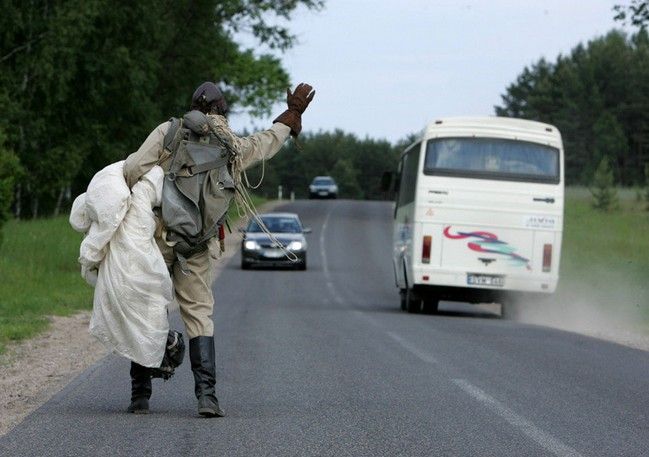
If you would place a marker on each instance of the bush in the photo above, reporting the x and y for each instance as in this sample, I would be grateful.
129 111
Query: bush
9 171
603 190
646 184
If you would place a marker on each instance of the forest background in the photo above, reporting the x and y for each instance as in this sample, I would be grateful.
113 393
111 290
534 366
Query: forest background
82 83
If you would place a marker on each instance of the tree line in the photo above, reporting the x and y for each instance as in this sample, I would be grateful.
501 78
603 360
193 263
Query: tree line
357 165
83 82
598 97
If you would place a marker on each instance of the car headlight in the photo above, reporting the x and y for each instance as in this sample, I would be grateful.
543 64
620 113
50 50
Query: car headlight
295 246
251 245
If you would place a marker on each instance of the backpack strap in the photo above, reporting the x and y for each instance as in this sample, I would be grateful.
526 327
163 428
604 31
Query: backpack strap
217 163
170 141
170 137
171 144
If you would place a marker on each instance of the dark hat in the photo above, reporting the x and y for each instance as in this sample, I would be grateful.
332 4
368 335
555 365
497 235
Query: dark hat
209 97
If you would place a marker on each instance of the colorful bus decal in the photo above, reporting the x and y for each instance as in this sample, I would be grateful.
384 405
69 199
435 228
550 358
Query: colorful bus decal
488 242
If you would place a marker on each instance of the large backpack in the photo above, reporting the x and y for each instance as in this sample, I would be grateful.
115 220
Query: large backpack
198 187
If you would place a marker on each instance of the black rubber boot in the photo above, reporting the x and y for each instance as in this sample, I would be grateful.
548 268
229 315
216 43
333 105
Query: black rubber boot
140 389
203 359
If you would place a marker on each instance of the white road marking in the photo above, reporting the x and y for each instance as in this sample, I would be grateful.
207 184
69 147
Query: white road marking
367 318
545 440
424 356
323 252
325 265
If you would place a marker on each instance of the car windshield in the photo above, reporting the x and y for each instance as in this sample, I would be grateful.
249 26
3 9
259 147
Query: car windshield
323 182
492 158
276 224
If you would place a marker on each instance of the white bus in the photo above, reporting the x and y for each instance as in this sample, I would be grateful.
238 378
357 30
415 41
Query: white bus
479 212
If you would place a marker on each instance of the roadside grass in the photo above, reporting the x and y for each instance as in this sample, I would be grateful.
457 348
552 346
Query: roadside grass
605 255
40 275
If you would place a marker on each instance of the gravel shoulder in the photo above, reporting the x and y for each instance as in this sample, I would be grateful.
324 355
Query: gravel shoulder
32 371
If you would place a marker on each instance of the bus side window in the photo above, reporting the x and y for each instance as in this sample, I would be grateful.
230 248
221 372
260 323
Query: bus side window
408 176
397 179
397 184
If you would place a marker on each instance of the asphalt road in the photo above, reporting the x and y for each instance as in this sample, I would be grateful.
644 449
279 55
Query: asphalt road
322 362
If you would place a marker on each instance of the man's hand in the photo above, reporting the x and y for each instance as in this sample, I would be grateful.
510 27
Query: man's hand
300 99
297 102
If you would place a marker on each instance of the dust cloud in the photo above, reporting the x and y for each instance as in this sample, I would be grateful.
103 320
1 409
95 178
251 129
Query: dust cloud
613 311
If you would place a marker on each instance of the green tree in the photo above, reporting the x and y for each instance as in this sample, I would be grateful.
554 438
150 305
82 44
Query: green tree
10 170
636 13
357 165
346 176
646 184
609 141
83 82
598 97
404 142
603 187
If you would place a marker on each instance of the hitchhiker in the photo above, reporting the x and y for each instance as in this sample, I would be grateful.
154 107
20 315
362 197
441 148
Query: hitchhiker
203 161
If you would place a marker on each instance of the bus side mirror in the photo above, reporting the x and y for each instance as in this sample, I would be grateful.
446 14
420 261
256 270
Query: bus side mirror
386 181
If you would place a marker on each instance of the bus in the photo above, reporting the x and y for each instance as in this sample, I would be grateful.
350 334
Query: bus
479 212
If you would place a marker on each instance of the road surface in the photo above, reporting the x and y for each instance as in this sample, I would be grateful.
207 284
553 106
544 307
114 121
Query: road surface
322 362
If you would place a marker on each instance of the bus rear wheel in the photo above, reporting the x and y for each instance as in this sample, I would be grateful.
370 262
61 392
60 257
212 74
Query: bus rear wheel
430 305
410 301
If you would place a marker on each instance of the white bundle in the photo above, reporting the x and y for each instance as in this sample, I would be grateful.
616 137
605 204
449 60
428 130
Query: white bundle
120 257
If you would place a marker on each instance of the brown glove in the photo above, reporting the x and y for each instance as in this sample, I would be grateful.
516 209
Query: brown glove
301 98
297 103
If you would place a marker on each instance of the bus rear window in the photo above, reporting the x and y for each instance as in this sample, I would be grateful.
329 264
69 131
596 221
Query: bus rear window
492 158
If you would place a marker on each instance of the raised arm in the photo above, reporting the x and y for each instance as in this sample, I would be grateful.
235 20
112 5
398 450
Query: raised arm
254 148
141 161
264 145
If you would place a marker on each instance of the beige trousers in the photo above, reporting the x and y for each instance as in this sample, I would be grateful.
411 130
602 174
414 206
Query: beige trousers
193 290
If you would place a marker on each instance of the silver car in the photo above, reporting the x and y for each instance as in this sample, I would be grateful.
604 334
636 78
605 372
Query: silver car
257 248
323 187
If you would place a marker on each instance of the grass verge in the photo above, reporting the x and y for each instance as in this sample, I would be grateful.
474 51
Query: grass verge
41 276
605 258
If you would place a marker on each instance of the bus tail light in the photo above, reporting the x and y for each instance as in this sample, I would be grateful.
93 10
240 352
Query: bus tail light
547 257
425 249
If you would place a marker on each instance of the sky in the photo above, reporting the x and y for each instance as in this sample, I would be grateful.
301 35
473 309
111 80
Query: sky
385 68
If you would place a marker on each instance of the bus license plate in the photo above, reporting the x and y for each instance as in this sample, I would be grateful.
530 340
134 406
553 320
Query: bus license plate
485 280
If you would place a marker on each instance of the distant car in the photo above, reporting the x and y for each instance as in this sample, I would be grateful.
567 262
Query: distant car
257 249
323 187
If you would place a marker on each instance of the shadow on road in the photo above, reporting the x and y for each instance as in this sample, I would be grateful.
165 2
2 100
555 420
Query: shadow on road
447 309
457 309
